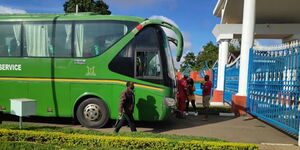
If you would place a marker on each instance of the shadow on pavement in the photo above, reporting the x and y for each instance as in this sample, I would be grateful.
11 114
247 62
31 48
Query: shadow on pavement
36 119
174 123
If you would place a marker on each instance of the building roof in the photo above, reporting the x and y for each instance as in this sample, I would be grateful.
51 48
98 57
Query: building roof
267 11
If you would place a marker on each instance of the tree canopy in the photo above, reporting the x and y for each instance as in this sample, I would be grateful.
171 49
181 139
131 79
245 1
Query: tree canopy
98 6
207 57
189 60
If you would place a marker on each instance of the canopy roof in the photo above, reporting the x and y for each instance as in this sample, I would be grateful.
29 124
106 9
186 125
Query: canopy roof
267 11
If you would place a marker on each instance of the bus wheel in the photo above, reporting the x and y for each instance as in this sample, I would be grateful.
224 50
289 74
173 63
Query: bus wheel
92 113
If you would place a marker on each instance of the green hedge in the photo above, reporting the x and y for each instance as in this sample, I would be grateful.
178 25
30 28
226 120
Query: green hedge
116 142
9 145
198 145
80 139
99 133
15 145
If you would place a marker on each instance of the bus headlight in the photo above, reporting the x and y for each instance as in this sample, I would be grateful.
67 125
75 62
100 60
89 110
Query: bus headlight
169 101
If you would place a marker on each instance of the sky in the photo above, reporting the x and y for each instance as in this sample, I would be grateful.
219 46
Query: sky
193 17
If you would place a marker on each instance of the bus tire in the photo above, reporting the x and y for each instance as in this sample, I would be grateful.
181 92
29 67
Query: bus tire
92 113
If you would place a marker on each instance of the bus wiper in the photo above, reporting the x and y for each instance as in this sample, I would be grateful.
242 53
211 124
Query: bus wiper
173 40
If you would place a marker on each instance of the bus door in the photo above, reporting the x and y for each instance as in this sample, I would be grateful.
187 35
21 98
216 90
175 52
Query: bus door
153 63
148 67
63 66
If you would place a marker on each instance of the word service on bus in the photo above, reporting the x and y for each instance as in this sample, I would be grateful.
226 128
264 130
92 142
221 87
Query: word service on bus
12 67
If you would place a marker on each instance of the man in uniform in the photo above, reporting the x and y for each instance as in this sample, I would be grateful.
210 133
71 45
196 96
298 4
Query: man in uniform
181 95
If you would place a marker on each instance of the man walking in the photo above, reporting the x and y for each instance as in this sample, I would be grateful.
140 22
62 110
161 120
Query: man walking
181 95
126 108
206 96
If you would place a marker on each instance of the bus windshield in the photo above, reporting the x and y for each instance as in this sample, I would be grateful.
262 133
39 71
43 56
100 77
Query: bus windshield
171 69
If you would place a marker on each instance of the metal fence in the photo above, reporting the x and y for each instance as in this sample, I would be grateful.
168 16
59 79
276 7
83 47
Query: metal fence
203 71
187 70
231 80
215 76
273 90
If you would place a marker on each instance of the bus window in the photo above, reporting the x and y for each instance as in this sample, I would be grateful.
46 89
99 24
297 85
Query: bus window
147 59
63 40
123 62
169 58
94 38
37 39
10 40
147 64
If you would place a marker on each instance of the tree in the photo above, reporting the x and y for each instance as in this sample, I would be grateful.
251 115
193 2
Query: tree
87 6
208 56
189 60
235 46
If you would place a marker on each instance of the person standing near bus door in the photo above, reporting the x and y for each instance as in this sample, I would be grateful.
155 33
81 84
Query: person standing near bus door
126 108
206 95
181 95
191 96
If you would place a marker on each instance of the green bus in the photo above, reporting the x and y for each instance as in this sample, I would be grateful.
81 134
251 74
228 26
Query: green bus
76 65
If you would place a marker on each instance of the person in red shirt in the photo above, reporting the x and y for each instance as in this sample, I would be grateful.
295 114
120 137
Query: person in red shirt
206 90
181 95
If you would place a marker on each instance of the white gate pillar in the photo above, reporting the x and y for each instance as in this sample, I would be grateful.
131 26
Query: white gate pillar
222 61
239 101
247 43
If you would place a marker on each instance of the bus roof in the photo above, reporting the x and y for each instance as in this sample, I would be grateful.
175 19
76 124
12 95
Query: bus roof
67 16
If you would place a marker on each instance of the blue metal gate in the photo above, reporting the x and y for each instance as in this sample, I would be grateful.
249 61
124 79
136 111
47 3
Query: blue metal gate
214 77
273 90
231 81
